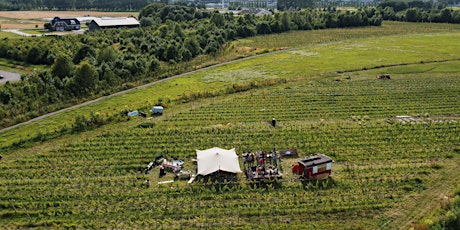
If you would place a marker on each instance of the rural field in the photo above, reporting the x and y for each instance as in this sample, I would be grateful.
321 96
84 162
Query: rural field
29 19
395 143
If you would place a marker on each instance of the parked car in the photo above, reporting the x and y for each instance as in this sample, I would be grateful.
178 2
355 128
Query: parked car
1 77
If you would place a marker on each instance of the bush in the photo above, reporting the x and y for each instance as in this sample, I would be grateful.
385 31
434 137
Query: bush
146 125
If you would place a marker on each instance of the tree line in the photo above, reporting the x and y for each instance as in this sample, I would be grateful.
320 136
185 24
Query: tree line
98 63
418 11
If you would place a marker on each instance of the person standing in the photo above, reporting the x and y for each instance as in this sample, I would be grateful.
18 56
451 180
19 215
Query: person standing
162 171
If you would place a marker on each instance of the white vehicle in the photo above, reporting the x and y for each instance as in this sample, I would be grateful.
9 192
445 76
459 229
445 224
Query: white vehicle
158 110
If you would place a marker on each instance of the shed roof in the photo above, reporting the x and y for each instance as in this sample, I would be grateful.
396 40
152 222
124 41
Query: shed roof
318 159
68 21
107 22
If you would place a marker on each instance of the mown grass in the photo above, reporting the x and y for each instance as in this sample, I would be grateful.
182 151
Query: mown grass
8 35
16 67
33 31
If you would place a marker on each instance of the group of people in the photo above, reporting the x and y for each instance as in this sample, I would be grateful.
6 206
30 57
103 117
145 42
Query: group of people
262 164
261 158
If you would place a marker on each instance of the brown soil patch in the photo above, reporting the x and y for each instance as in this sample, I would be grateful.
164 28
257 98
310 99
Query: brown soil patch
28 19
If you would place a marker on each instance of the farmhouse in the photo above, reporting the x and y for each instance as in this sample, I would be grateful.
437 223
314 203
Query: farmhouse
109 23
314 167
65 24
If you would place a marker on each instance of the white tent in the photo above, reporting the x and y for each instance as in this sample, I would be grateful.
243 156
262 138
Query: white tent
214 159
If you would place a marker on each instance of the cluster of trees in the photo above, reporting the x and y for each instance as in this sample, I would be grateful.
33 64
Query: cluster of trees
105 61
295 4
399 5
418 11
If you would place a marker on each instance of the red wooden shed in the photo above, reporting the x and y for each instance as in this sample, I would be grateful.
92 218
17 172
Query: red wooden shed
314 167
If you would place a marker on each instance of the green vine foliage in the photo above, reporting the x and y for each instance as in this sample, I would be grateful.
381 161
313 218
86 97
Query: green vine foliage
94 178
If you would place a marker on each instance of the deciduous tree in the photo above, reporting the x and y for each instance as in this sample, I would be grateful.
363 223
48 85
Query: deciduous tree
86 78
62 66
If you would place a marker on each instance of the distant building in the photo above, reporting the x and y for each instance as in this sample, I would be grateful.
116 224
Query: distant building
109 23
257 12
65 24
254 4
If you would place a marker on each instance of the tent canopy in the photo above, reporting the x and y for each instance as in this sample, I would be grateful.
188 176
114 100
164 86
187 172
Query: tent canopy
214 159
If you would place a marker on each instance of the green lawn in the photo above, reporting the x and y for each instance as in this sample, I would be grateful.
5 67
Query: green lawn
34 31
8 35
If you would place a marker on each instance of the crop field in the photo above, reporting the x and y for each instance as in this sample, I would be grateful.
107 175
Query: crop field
389 171
313 57
382 164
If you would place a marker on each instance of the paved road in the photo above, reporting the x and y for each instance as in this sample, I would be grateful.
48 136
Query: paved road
9 76
16 31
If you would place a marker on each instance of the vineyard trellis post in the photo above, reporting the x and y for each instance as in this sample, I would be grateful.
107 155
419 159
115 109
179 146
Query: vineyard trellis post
206 219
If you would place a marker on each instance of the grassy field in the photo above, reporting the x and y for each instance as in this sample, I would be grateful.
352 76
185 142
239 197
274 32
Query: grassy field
310 62
9 35
31 19
388 173
302 39
17 67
